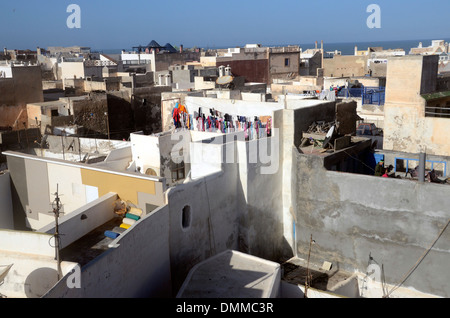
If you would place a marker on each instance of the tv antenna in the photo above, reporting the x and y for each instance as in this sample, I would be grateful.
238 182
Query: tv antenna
57 207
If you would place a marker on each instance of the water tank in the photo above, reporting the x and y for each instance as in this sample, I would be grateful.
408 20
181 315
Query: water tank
161 79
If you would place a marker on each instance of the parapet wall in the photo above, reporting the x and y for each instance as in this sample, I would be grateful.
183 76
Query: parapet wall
355 219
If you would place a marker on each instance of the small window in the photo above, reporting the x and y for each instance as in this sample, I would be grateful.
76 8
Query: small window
186 217
286 62
178 171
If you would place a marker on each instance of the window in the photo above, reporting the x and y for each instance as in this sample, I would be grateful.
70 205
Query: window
438 110
286 62
178 171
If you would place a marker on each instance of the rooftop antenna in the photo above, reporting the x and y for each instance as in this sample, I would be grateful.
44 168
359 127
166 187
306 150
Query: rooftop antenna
56 205
308 275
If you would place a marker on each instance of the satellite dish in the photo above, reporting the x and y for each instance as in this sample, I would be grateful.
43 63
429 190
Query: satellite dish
330 132
329 137
224 80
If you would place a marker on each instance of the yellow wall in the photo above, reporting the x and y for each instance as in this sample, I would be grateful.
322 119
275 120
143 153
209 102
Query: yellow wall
126 187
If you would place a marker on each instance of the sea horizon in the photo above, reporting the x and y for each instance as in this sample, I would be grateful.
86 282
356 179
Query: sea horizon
346 48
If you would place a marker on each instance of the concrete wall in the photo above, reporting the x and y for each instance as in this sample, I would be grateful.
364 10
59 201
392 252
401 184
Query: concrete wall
200 83
213 225
346 117
305 84
146 106
261 225
34 269
160 152
253 69
233 107
77 184
278 67
353 217
26 242
136 265
405 126
72 70
13 116
163 61
231 204
345 65
6 208
24 87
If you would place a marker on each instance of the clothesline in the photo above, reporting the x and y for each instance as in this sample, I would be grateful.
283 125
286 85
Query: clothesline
211 120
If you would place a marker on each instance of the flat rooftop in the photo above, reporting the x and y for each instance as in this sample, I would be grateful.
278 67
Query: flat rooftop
91 245
232 274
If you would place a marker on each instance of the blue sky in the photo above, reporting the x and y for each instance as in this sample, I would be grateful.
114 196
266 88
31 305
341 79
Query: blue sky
116 24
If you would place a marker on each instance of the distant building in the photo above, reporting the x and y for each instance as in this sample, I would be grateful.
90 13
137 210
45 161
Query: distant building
436 47
19 86
259 64
156 58
72 49
370 62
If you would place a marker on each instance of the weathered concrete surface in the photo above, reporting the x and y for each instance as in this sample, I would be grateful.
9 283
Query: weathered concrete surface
405 126
354 217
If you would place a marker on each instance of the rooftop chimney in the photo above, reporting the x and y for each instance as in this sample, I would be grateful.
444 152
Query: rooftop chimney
181 48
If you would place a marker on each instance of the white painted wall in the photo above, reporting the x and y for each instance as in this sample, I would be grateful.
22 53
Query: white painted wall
97 213
26 242
67 181
7 72
136 265
254 97
34 267
31 276
136 57
72 69
232 107
145 152
205 159
118 159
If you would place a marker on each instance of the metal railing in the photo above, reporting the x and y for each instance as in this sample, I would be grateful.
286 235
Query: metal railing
369 95
443 112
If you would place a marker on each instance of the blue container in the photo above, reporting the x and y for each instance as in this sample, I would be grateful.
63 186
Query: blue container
111 234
